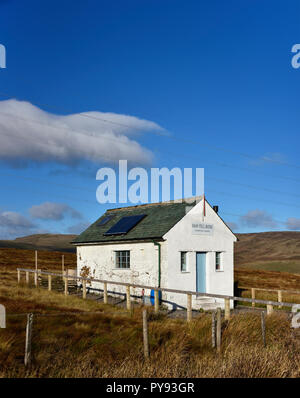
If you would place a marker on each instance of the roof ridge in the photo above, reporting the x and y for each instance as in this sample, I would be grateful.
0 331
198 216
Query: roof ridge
168 202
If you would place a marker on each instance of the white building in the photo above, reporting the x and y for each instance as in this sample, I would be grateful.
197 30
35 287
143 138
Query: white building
170 244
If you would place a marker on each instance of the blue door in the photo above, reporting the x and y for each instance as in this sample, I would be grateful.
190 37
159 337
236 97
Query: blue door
201 272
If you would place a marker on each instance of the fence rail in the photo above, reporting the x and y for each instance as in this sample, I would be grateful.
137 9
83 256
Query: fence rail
188 293
216 315
270 290
278 291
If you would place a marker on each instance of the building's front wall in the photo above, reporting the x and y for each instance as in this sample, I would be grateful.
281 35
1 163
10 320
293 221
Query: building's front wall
99 260
181 238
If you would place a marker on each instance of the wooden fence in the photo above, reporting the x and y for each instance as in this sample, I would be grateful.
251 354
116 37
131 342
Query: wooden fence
278 291
216 330
269 304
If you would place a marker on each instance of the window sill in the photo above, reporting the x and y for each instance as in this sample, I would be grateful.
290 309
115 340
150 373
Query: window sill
121 269
219 270
185 272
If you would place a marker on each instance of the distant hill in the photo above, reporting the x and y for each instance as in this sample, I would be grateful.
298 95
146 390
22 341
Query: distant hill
52 242
270 251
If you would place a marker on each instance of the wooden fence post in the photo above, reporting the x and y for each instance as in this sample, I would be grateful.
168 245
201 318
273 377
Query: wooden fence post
263 327
128 302
66 284
219 324
213 329
189 308
27 277
227 309
63 268
105 298
36 282
145 335
2 317
156 301
253 296
49 283
19 275
269 309
27 358
84 289
280 298
36 268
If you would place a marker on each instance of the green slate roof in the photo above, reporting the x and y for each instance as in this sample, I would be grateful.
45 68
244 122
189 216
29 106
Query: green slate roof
160 218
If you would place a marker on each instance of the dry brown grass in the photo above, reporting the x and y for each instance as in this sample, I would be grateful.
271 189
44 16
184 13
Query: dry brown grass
11 259
268 280
269 251
109 344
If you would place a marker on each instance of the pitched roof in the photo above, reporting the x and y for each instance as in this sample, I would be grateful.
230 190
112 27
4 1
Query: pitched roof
160 218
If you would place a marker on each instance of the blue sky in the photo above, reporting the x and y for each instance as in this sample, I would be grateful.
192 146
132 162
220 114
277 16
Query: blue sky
199 83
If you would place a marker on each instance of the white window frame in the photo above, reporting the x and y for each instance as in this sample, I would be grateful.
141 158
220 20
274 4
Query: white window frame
127 258
186 262
220 262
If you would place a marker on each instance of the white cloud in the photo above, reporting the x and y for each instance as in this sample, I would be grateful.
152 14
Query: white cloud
269 158
53 211
293 223
258 218
11 219
232 225
35 135
13 224
78 228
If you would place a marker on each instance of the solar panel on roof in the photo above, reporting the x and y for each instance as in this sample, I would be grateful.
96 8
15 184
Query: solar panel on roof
105 220
125 225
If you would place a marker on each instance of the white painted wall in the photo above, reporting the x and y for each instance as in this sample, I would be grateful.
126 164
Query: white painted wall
144 260
180 238
143 264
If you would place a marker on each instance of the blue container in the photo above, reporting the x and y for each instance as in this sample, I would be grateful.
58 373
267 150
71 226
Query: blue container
152 296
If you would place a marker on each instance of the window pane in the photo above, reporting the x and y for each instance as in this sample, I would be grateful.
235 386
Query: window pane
123 259
183 261
117 259
218 261
128 260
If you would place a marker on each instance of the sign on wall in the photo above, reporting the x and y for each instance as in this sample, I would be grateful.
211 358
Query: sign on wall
202 229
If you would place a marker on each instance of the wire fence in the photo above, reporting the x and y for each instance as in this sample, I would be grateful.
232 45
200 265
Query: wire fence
81 282
60 282
35 332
